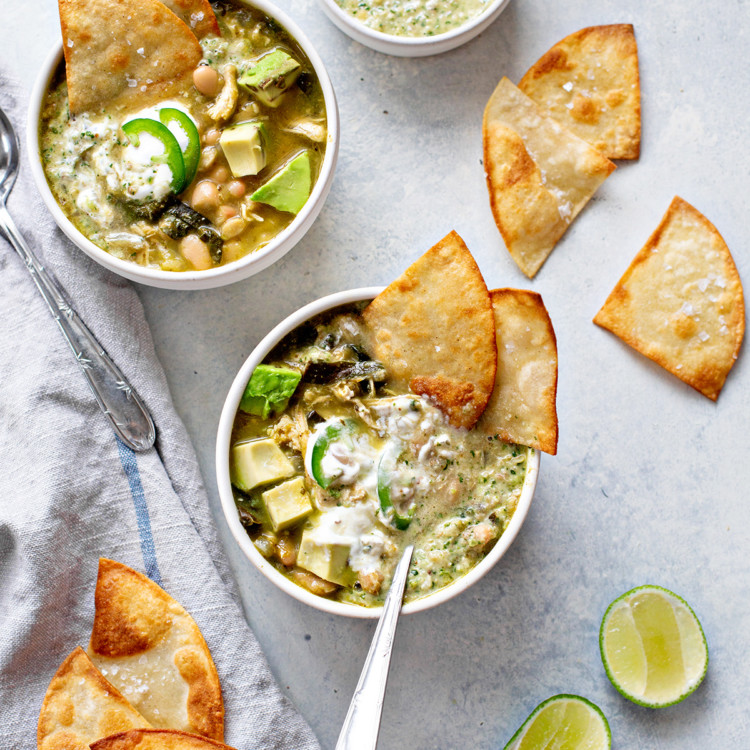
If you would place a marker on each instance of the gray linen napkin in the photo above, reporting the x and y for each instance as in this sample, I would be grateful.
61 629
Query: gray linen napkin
70 492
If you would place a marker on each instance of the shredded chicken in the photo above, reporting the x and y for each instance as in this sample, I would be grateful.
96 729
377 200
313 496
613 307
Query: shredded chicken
343 391
249 210
370 581
226 102
292 430
126 239
144 229
354 494
208 157
315 131
364 414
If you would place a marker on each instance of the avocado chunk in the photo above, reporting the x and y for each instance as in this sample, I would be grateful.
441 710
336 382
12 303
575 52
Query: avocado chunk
244 146
258 462
268 78
328 560
287 504
269 390
289 188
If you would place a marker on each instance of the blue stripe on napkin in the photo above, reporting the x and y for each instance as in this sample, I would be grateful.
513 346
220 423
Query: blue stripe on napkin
130 466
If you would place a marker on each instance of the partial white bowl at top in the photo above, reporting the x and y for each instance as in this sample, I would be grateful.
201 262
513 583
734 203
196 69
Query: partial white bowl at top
406 46
240 269
223 445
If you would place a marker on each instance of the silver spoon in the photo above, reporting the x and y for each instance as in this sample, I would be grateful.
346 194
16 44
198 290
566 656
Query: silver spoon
115 396
362 723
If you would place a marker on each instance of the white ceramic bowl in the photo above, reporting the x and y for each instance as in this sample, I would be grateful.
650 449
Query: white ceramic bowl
214 277
403 46
238 530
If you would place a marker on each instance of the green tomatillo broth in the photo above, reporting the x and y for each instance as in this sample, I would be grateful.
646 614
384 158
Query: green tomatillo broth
335 471
256 155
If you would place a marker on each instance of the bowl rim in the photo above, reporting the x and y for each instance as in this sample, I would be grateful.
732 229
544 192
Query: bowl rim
229 509
412 46
240 269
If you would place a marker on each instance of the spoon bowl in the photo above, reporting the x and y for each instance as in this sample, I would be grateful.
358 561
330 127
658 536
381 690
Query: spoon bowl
116 397
9 151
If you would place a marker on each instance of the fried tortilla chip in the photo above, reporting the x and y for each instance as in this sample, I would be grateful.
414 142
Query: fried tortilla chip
80 706
433 329
157 739
589 81
680 302
197 14
522 409
150 648
539 174
121 50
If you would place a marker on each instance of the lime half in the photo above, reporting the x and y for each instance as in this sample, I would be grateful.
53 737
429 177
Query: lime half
653 647
563 722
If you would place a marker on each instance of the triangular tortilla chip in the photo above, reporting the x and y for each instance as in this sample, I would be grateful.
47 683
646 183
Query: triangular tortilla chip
539 174
680 302
433 329
80 706
119 50
157 739
522 409
150 648
197 14
589 81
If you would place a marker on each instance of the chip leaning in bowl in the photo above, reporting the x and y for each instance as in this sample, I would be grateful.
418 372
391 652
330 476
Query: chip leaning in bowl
193 169
340 459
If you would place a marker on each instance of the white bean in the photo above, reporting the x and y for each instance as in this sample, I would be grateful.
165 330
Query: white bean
205 196
212 136
236 188
220 174
227 211
196 252
232 227
206 80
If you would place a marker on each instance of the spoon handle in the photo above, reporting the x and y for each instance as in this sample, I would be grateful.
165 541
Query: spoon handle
116 397
362 723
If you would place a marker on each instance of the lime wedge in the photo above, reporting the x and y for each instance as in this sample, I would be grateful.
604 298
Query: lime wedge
563 722
653 647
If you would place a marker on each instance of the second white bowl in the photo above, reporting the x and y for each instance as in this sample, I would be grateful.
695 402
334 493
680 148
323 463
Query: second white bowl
403 46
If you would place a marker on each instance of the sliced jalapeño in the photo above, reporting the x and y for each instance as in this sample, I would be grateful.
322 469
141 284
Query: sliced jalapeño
191 150
172 155
333 431
388 476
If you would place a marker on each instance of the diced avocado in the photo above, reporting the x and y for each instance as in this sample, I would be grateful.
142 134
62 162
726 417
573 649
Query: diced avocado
268 78
326 560
257 462
269 390
245 149
287 503
289 188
